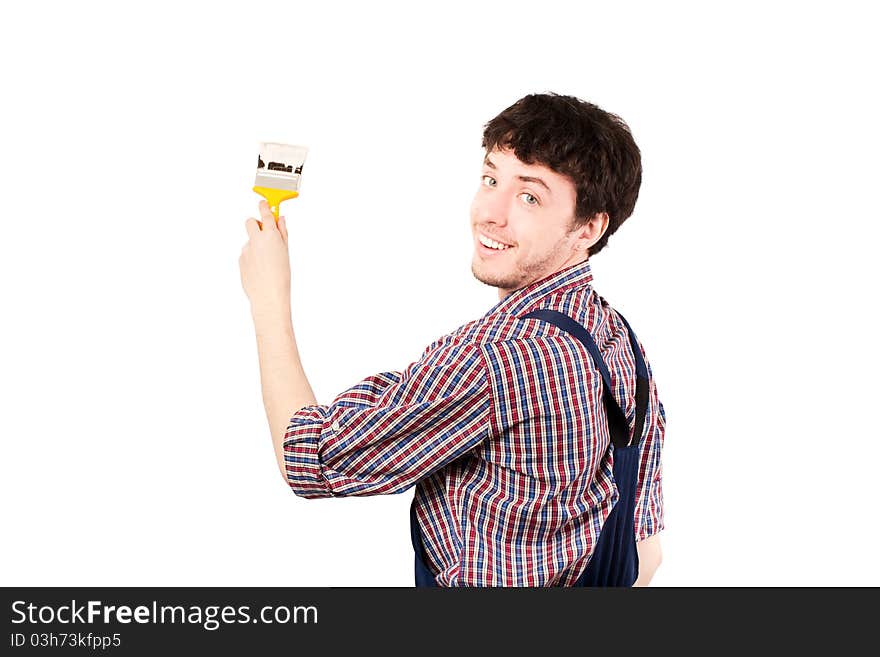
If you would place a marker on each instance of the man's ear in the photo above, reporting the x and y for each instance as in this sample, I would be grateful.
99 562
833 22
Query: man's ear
592 231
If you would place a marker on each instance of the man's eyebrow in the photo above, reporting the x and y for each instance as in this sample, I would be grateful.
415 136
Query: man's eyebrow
489 164
535 180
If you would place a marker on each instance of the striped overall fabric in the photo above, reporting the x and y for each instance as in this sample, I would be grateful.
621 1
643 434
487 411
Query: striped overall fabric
614 561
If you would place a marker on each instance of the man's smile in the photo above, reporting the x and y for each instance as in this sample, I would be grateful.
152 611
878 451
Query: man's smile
489 245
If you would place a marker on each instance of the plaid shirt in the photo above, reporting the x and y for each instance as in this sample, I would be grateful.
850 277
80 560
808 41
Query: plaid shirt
501 428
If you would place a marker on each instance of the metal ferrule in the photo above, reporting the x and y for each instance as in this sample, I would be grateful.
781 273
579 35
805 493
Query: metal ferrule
276 180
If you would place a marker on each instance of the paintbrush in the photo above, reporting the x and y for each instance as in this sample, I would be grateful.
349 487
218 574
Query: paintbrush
279 172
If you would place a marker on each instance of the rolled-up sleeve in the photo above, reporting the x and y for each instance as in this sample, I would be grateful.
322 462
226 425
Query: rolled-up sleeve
391 429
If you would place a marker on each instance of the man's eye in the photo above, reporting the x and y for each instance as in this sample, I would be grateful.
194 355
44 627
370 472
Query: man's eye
533 201
489 178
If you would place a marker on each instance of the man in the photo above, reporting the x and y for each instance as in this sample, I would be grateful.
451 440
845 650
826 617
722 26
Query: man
503 425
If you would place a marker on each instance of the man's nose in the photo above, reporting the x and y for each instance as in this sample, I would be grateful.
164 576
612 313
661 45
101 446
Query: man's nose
494 209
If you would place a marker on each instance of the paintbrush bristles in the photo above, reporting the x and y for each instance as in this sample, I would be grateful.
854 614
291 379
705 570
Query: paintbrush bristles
279 166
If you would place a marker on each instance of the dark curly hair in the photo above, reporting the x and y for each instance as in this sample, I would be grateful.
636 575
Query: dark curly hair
576 139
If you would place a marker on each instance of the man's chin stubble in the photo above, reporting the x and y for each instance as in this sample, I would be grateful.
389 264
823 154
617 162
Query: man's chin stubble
502 283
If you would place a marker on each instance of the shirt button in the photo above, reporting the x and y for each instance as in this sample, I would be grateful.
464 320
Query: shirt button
335 425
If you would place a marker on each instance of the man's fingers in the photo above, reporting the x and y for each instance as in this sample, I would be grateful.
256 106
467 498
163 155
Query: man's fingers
254 226
266 213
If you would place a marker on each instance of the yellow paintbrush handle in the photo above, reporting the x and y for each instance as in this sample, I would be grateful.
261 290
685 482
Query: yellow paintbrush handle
274 198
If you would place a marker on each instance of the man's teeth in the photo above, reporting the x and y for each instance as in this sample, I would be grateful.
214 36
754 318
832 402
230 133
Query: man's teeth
492 244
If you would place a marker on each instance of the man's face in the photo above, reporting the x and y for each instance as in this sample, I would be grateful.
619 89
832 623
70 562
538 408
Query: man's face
530 209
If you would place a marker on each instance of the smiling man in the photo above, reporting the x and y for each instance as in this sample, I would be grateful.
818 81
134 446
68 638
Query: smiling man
532 435
539 220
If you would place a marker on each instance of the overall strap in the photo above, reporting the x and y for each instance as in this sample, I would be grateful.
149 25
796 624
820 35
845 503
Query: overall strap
642 400
617 423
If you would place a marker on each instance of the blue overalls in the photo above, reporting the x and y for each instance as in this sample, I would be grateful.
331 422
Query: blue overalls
614 561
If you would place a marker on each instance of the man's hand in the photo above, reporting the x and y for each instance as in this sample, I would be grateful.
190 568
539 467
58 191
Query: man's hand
265 262
650 557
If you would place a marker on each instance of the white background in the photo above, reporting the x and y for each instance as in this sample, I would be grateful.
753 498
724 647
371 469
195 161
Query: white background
135 446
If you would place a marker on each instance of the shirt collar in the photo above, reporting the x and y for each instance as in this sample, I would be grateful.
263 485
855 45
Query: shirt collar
525 298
